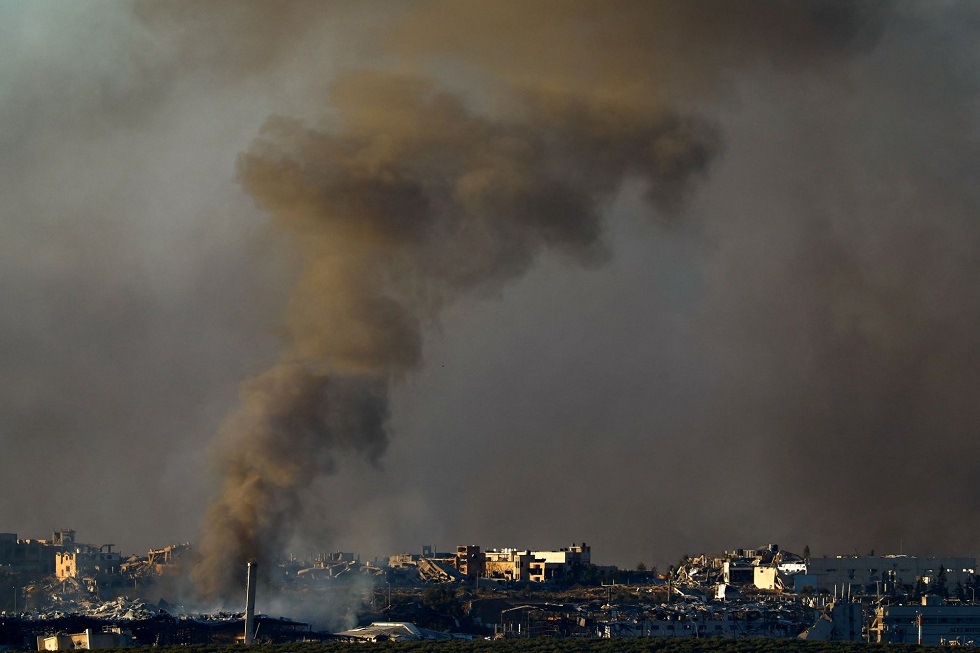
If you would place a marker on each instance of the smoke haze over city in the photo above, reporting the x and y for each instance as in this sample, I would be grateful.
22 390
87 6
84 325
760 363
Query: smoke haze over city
665 277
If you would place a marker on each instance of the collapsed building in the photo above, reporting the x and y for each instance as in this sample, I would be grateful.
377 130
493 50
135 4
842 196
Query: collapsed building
32 556
323 566
428 566
166 561
395 631
470 563
97 567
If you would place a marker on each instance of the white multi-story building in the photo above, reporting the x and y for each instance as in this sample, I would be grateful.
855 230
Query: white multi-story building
872 573
929 624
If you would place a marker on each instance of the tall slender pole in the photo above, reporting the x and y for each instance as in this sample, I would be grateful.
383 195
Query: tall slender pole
250 602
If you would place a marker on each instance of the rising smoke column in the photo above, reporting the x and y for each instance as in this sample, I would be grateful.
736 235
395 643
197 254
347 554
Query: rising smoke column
405 201
405 198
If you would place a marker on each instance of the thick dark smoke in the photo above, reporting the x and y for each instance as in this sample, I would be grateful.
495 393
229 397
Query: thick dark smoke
406 199
291 422
406 202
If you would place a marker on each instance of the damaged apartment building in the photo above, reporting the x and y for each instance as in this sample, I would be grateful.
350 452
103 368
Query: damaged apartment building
470 562
32 556
87 567
96 567
522 565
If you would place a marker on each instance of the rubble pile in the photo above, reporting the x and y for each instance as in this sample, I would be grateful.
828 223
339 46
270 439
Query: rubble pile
122 609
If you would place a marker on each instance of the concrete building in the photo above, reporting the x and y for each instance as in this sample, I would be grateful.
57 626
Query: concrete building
86 561
936 622
470 561
552 565
573 555
33 556
507 564
738 571
841 621
534 566
869 574
89 639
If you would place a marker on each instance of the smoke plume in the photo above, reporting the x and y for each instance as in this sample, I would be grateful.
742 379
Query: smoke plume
405 197
404 202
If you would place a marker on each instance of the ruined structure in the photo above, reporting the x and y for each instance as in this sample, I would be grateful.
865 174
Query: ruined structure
508 564
470 561
33 556
84 560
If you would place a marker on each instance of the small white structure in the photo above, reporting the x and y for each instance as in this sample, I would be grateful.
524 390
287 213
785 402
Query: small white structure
111 638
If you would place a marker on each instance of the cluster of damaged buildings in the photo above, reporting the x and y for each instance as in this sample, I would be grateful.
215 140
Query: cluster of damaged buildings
93 567
765 592
97 568
466 563
761 592
722 576
874 598
469 562
769 568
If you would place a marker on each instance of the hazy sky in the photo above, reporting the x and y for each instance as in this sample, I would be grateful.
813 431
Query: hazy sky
665 277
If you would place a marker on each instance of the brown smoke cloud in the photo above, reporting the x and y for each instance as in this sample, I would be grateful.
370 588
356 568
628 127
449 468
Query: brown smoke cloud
417 189
407 201
409 195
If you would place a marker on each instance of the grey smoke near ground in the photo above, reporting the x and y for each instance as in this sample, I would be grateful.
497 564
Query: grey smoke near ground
788 357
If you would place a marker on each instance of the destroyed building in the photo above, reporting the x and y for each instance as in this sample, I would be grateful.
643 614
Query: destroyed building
769 568
33 556
470 561
84 560
166 561
507 564
395 631
337 564
534 566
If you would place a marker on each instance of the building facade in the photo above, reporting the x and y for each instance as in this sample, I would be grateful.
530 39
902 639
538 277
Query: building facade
870 574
